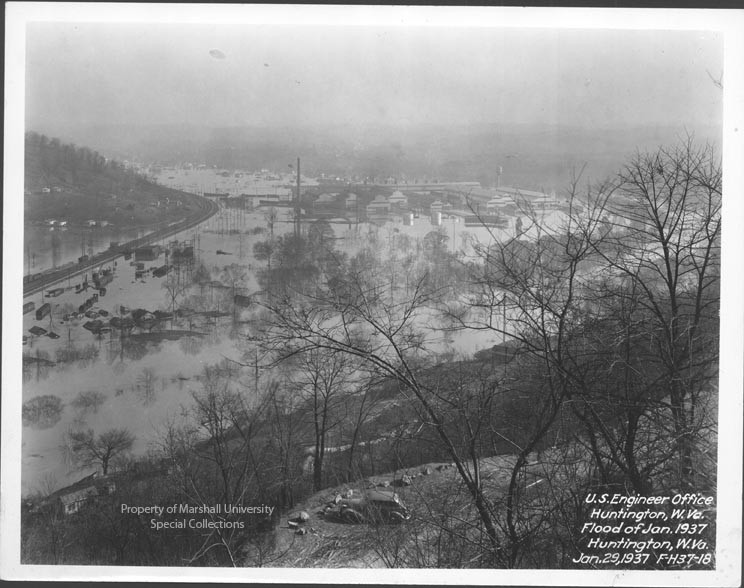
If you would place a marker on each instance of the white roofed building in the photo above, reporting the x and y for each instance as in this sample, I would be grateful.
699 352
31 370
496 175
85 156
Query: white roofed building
380 205
398 200
498 203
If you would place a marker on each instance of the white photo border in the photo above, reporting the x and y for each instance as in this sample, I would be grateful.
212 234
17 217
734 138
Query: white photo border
730 23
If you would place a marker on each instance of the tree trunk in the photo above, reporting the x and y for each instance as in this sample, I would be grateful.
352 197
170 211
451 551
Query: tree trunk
318 468
683 441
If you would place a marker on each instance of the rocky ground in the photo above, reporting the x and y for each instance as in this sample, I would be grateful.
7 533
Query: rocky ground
433 492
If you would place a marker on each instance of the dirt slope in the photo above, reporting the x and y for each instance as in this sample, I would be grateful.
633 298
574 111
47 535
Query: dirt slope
435 492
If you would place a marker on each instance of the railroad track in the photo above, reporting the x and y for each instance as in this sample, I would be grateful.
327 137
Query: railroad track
208 208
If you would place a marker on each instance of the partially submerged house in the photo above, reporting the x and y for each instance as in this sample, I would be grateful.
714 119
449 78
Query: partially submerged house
147 253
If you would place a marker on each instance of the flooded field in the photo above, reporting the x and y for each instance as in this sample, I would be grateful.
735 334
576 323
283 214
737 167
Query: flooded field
80 379
118 370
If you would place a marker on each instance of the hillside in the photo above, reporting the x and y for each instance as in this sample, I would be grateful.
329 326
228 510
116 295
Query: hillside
433 493
75 184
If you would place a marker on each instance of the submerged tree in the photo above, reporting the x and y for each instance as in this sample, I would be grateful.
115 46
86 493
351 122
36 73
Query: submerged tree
176 288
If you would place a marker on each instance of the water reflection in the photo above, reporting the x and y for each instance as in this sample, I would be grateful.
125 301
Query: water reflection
145 376
80 357
36 366
146 386
42 412
192 345
45 248
128 348
86 404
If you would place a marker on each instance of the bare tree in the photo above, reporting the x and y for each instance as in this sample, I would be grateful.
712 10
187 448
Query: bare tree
88 449
216 460
364 402
323 378
201 275
226 421
666 252
530 289
287 429
234 276
616 309
175 288
356 313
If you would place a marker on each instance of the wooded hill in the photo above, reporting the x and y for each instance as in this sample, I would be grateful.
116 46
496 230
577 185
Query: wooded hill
67 182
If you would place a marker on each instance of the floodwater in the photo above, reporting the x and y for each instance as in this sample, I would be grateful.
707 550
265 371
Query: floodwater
199 181
117 373
46 247
143 386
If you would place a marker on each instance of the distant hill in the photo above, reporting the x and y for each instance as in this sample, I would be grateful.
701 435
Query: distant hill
66 182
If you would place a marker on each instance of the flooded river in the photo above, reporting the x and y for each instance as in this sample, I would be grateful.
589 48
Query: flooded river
142 386
46 247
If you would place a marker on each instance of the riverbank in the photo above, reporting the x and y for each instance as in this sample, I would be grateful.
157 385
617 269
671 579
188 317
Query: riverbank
37 282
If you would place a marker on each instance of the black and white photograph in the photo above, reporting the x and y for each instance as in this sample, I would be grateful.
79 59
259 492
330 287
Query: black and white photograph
396 294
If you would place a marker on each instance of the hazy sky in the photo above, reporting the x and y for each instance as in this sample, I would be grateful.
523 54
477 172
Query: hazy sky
142 74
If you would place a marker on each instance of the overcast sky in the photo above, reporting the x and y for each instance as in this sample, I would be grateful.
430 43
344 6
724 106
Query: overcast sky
219 75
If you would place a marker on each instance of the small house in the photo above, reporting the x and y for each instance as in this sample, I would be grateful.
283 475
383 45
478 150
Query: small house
74 501
326 199
147 253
